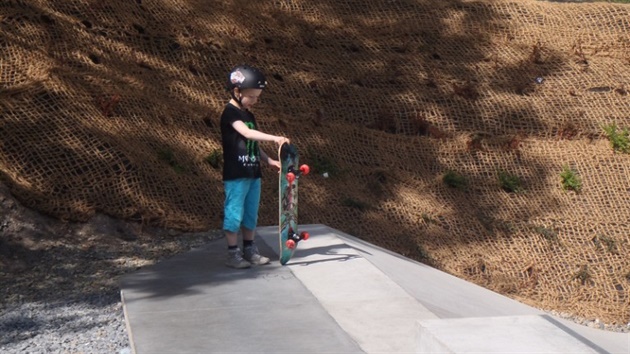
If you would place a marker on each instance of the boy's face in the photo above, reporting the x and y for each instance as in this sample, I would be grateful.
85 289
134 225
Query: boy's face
249 97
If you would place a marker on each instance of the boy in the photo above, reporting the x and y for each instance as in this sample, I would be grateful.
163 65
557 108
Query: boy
241 170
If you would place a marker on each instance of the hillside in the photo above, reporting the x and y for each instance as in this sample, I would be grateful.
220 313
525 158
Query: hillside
112 107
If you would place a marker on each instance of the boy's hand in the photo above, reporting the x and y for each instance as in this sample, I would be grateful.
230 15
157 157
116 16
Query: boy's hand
281 140
275 163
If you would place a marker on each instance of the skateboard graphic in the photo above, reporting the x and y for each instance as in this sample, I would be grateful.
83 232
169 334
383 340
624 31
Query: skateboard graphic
288 200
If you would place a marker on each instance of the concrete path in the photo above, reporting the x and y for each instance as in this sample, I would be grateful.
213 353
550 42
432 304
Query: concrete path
337 295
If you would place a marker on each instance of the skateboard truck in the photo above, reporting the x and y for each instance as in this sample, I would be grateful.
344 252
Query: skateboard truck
292 175
294 238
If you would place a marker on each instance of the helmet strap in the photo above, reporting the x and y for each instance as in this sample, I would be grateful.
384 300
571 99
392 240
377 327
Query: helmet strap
237 99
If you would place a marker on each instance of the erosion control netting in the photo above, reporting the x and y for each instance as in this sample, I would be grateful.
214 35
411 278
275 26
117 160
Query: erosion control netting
113 107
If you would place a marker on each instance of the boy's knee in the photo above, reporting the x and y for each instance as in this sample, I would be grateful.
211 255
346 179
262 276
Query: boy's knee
249 224
231 225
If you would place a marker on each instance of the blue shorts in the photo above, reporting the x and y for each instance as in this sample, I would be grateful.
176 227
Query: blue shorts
242 199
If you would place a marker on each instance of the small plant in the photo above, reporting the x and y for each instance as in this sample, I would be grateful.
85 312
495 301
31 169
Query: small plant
583 274
455 180
168 156
428 219
506 226
510 183
422 253
475 143
619 139
323 164
607 242
353 203
376 181
568 131
536 55
547 233
570 180
488 222
215 158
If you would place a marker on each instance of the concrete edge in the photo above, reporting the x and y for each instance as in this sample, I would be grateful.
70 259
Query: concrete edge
574 334
132 343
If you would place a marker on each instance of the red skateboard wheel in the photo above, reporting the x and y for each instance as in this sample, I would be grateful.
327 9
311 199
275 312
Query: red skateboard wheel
305 169
290 244
290 177
304 235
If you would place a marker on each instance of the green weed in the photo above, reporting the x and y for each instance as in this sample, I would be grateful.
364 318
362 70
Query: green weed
428 219
570 180
356 204
583 274
547 233
215 158
376 181
167 155
488 222
423 255
455 180
322 164
506 226
510 183
619 139
607 242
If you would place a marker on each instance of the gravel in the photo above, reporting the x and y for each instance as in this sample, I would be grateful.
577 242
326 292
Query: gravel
60 301
59 288
591 323
89 325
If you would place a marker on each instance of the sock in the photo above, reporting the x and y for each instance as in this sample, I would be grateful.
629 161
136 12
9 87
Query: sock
248 243
232 248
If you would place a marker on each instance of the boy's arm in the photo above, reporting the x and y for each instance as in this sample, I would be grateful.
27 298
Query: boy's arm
252 134
268 159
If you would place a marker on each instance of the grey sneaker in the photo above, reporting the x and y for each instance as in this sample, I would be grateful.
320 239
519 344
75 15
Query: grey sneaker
235 260
252 255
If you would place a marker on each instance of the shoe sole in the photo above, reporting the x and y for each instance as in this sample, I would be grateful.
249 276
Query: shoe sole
245 266
267 261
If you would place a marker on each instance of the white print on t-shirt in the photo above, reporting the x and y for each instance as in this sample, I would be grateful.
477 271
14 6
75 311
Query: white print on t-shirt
245 159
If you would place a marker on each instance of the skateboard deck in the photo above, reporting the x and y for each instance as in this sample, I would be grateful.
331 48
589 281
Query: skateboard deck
288 200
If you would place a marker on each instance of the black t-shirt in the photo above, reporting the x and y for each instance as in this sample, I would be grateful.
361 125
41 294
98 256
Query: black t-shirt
241 157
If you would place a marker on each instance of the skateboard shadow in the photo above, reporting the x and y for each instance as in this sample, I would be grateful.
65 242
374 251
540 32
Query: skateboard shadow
324 254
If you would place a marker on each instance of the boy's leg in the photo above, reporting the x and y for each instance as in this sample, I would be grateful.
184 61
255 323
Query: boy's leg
251 205
232 238
250 219
248 234
235 194
250 250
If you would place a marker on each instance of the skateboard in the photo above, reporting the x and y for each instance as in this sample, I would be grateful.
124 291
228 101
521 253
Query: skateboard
288 200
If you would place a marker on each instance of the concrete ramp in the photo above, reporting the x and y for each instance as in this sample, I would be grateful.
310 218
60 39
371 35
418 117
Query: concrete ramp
501 335
338 295
364 302
192 303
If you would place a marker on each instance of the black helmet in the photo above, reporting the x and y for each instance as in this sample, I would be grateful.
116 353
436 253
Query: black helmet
246 77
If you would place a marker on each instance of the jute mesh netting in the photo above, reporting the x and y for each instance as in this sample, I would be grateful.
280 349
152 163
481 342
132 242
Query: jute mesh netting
113 106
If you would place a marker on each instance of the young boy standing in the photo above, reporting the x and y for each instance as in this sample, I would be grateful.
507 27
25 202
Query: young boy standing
241 170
